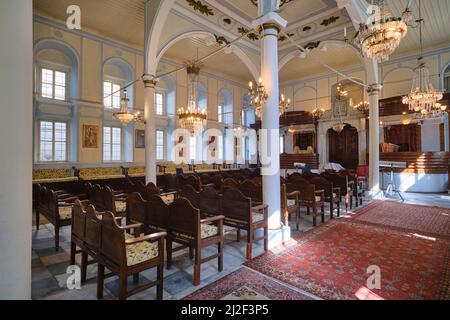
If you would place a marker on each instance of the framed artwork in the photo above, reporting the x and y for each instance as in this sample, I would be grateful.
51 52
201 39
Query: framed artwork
340 108
139 142
90 136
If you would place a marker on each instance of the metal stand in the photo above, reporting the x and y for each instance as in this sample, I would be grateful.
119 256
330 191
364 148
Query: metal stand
391 188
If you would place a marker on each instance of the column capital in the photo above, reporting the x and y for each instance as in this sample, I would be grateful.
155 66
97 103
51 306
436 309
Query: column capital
149 81
374 89
271 20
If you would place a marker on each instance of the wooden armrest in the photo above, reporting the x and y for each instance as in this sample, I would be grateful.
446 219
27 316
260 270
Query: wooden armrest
293 194
212 185
260 207
151 237
131 226
169 193
212 219
68 200
337 189
320 191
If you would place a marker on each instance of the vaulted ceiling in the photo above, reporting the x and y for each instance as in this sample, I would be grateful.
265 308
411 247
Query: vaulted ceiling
309 21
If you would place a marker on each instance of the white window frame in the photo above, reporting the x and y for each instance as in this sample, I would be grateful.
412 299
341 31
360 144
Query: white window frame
163 146
163 94
111 160
114 82
54 68
220 113
193 148
53 141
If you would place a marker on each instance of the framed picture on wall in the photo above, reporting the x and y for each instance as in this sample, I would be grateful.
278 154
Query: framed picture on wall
140 139
90 136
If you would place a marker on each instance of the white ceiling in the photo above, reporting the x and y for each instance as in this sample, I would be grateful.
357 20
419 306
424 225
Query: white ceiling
220 63
123 20
339 57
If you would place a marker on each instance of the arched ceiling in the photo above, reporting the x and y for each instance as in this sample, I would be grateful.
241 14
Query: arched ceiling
222 63
337 56
309 21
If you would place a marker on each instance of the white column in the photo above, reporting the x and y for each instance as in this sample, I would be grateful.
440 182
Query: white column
16 123
150 128
271 25
374 139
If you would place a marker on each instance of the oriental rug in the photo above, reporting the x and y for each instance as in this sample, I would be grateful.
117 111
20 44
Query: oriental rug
246 284
422 220
333 262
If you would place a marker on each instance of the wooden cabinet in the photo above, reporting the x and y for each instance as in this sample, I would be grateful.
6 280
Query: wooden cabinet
344 147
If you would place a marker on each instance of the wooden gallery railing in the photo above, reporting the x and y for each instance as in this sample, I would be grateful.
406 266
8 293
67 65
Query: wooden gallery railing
287 160
420 162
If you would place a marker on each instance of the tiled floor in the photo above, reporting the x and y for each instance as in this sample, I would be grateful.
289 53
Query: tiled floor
49 268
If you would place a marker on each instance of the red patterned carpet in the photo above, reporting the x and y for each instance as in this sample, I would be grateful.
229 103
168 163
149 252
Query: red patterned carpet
428 221
245 284
331 262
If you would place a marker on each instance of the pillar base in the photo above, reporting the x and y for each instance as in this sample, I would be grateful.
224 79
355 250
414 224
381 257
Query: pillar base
277 237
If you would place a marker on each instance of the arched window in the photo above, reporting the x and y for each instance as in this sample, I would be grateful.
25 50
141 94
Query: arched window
118 144
116 74
447 79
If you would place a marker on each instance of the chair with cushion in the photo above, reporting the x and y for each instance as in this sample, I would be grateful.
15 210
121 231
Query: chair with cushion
56 211
290 204
186 227
332 194
241 213
309 197
127 256
252 190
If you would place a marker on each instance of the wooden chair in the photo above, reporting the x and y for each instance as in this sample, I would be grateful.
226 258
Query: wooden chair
128 256
191 194
229 183
252 190
344 185
332 194
58 213
186 227
290 204
240 213
309 197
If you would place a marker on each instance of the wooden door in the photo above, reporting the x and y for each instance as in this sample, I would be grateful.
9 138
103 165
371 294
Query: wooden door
344 147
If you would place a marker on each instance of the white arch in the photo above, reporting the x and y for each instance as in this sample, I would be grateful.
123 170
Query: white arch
442 80
296 53
206 34
159 10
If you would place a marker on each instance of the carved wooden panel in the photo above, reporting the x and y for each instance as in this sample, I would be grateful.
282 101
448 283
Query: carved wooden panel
407 137
344 147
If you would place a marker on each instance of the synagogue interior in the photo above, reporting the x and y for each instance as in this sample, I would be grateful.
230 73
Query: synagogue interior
225 150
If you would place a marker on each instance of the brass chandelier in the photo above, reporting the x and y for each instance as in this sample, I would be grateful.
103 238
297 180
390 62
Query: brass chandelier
259 97
423 97
192 118
382 34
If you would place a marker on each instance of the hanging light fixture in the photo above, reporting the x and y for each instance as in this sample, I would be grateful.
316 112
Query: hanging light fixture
363 107
124 115
382 35
317 114
284 104
192 118
341 94
423 97
258 96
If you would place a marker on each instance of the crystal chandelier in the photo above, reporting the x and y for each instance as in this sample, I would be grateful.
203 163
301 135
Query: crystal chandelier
258 96
381 36
124 115
438 111
423 97
192 118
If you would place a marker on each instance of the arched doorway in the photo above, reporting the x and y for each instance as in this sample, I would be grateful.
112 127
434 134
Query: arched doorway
344 147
